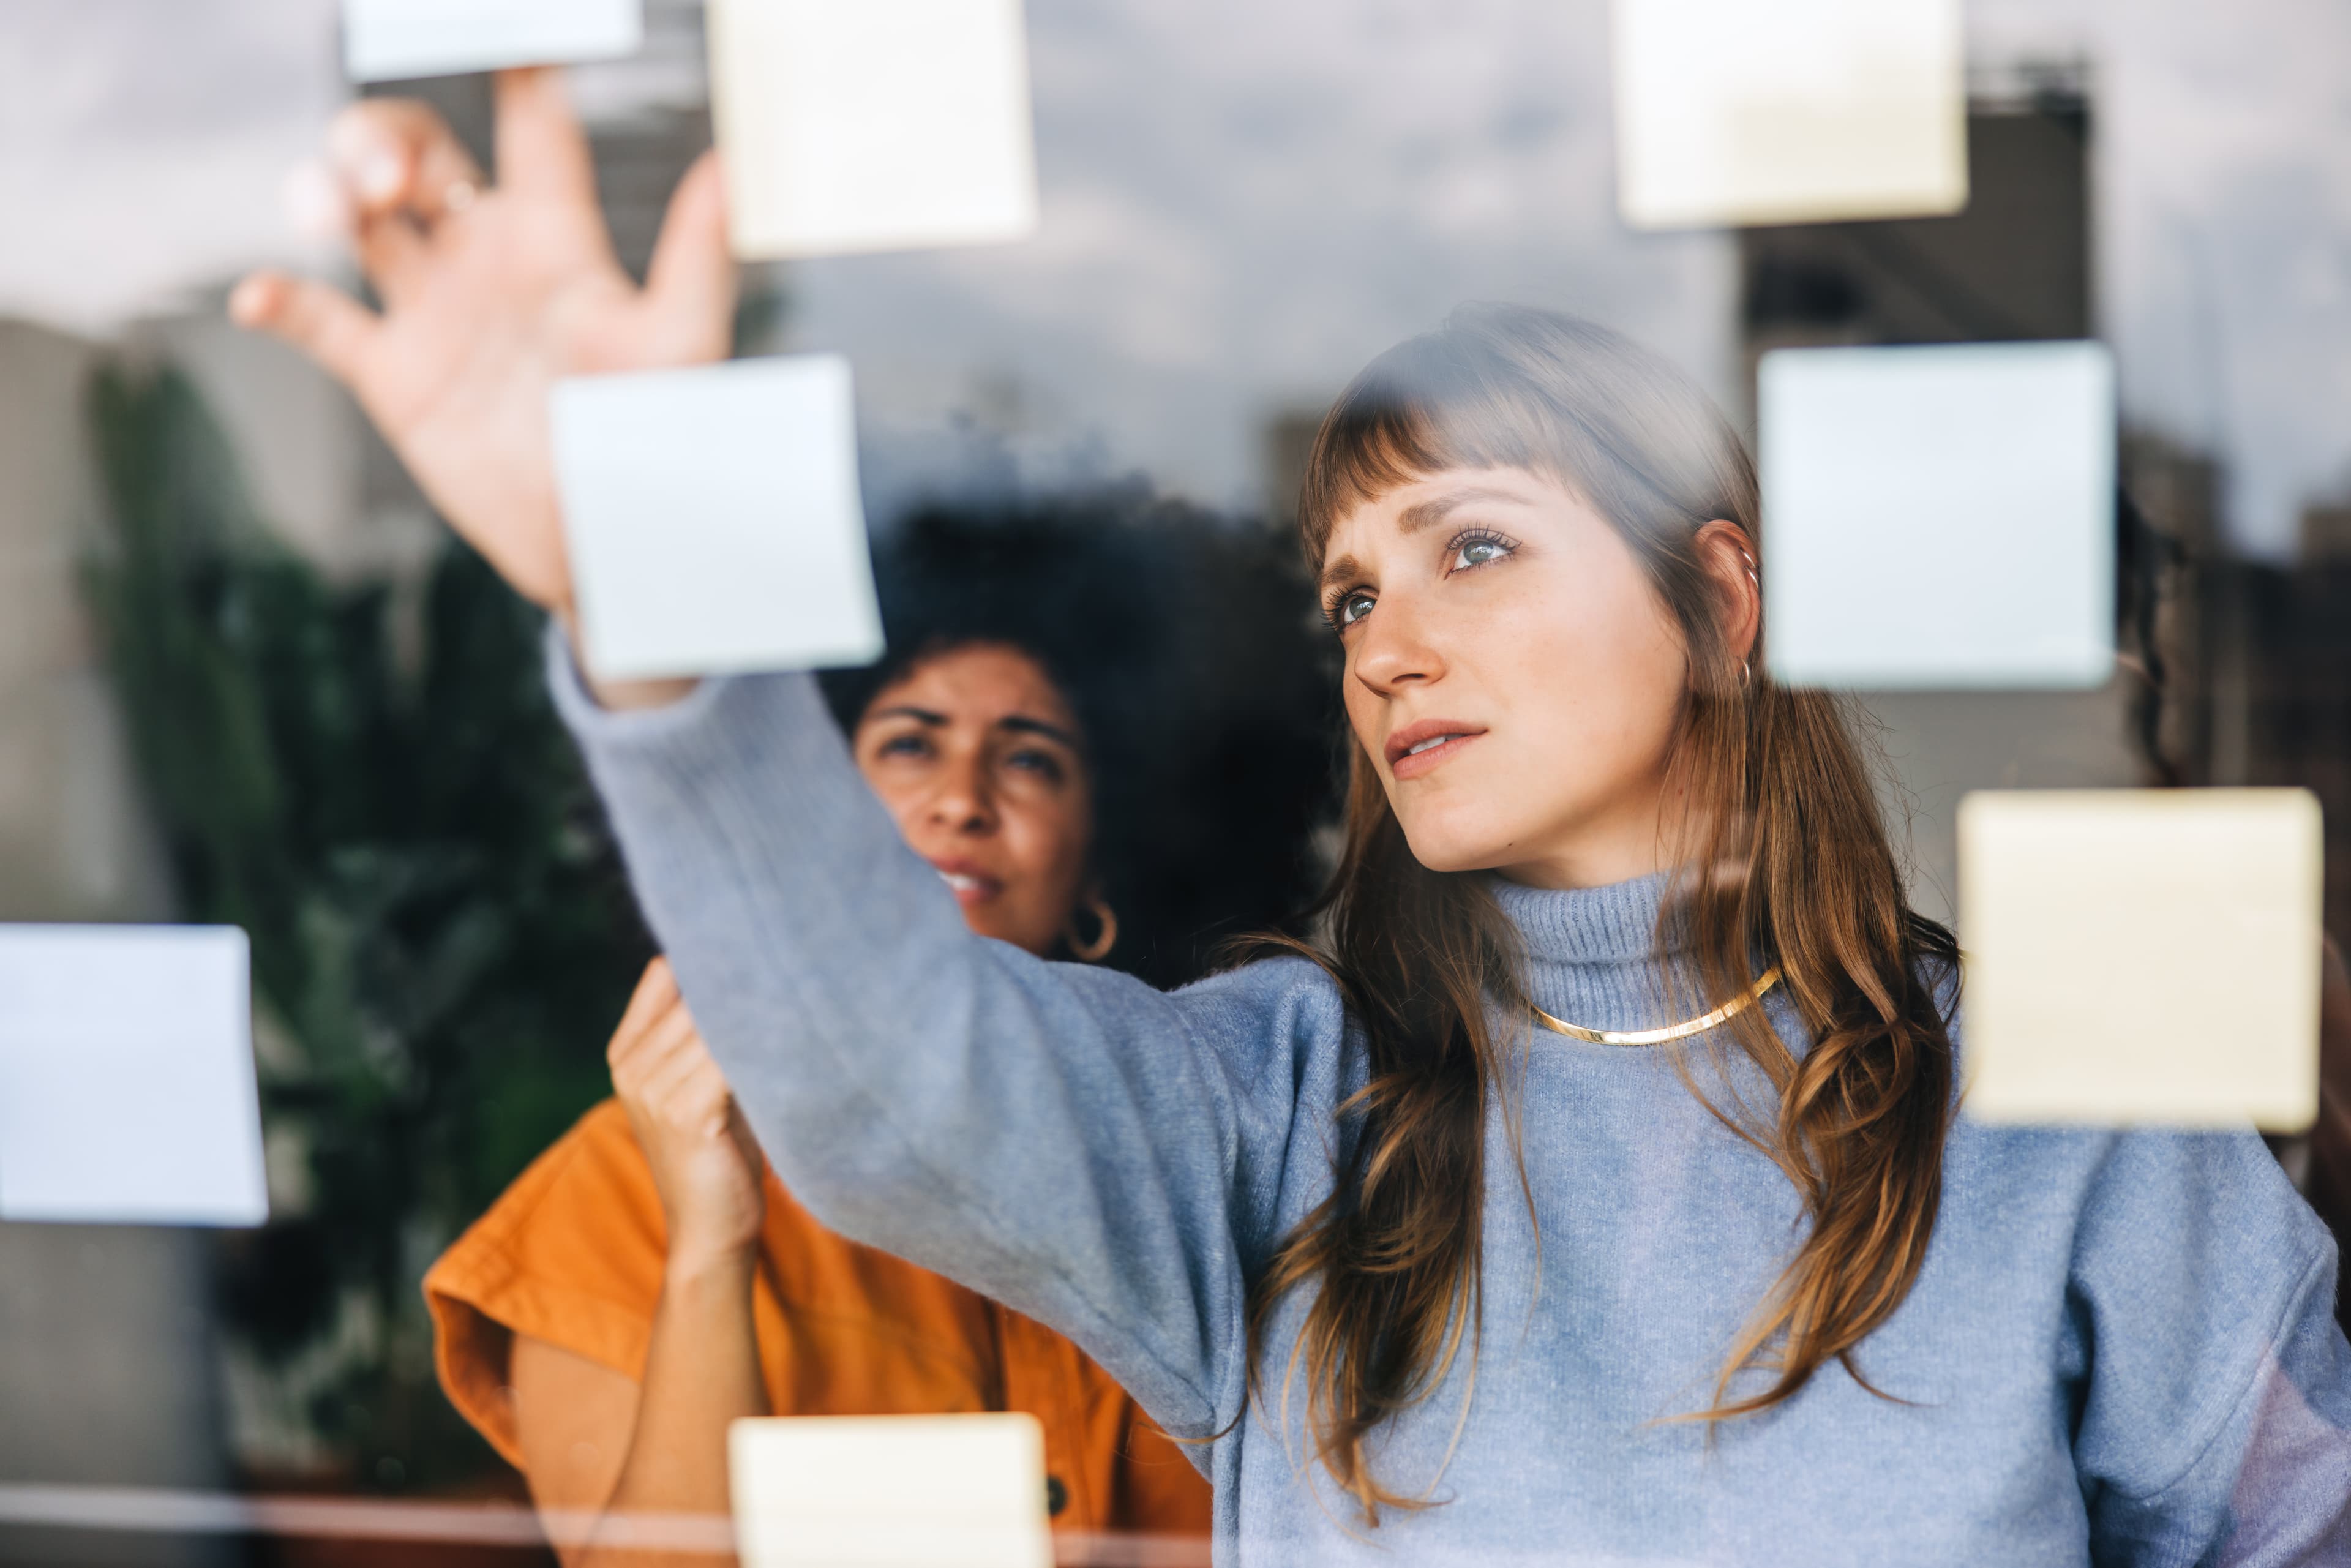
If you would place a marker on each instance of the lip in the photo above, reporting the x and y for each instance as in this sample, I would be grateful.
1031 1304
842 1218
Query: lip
1405 763
969 882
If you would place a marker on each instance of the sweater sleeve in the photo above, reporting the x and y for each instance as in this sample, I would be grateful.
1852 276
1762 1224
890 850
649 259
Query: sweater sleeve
1099 1155
2215 1426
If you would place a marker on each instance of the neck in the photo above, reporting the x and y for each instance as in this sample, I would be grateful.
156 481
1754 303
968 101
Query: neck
1634 839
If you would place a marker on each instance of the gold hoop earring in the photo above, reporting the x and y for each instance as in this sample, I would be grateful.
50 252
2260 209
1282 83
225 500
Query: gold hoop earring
1105 937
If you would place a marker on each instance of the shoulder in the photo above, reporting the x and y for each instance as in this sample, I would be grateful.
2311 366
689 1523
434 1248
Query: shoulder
1283 993
1282 1003
1267 1040
2132 1190
572 1251
1283 1013
2186 1254
594 1176
571 1254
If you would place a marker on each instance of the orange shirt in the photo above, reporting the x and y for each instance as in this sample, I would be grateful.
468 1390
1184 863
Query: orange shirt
572 1254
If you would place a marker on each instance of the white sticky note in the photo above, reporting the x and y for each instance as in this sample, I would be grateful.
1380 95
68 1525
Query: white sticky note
863 125
1940 517
715 518
388 40
1730 111
2141 955
127 1089
890 1491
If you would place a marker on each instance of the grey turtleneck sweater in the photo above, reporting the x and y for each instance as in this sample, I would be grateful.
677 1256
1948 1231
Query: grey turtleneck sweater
2121 1349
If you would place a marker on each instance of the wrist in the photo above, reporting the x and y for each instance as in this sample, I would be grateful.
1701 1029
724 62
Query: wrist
697 1262
614 696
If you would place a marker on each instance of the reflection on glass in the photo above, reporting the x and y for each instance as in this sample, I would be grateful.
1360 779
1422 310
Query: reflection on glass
305 718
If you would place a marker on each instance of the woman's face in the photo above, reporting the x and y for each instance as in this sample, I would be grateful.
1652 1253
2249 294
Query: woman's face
1512 674
975 752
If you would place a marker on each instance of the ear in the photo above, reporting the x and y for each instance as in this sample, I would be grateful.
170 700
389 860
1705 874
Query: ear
1727 556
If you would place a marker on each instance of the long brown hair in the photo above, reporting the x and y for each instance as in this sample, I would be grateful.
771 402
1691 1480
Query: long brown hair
1785 861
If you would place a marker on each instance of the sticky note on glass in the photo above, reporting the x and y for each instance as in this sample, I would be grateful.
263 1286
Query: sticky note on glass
388 40
127 1089
715 518
2141 955
890 1491
863 125
1939 517
1728 111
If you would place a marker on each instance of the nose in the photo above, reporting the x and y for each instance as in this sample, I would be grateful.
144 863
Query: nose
1395 651
963 802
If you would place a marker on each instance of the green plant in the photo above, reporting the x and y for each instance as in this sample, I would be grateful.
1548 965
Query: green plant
441 935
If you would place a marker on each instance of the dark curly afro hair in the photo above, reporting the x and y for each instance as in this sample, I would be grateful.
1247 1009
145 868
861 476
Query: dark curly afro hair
1189 647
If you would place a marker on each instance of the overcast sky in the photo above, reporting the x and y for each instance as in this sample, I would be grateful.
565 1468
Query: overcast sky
1244 199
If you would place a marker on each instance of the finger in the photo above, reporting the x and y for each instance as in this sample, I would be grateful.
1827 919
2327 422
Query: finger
689 1092
324 322
668 1039
542 150
652 1054
318 204
394 254
656 992
658 1044
398 155
691 285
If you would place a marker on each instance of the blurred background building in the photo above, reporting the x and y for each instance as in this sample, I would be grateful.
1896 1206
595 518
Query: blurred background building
1242 202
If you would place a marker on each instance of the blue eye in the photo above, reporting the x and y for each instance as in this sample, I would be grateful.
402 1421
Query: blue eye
1350 608
1478 549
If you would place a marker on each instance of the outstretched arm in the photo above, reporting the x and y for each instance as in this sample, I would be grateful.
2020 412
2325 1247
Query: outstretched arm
1105 1158
1071 1141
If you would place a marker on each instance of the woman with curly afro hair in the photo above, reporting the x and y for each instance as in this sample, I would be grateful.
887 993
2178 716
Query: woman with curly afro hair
1103 721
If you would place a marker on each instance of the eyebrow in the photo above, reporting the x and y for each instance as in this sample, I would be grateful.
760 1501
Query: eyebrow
1414 518
1019 723
1435 509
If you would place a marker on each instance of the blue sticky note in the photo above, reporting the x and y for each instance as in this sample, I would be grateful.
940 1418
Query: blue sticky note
1940 517
715 518
127 1086
386 40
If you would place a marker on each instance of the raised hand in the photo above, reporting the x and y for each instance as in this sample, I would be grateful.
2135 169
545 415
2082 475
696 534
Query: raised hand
489 295
706 1163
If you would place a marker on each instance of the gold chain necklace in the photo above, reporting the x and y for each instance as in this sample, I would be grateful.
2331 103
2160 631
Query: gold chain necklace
1728 1011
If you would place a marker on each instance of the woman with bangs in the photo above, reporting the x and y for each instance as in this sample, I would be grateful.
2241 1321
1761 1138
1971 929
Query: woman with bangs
1594 1191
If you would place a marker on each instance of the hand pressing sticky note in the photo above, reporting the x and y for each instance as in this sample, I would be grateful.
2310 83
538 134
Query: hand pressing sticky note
2141 955
890 1491
714 521
127 1090
1939 517
1729 111
863 125
386 40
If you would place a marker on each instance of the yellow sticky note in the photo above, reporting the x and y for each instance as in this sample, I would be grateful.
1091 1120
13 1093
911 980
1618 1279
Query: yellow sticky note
866 125
890 1491
2141 955
1730 111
